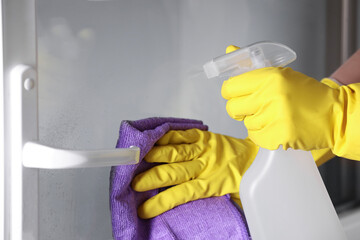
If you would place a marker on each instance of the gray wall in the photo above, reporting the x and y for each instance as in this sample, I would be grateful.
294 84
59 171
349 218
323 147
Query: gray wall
101 62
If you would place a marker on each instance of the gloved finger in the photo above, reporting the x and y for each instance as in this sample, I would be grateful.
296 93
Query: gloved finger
268 142
260 118
173 153
231 48
246 83
166 175
179 136
171 198
240 107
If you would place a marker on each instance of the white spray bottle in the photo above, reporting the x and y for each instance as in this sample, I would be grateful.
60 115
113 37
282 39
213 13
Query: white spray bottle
282 193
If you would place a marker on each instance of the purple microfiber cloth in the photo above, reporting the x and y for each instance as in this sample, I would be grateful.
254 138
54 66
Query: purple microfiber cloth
209 218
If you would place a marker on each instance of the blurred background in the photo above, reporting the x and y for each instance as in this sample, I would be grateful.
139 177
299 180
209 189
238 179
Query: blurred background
101 62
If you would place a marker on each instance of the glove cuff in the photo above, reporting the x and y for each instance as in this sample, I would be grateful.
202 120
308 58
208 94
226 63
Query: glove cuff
346 122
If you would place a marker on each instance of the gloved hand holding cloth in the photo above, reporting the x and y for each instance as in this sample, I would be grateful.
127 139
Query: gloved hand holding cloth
280 106
201 164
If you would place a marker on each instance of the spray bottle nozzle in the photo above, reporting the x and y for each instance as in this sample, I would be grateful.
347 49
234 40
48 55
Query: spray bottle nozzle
257 55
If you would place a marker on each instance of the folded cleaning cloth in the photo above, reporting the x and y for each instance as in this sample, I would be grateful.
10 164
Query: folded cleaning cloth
210 218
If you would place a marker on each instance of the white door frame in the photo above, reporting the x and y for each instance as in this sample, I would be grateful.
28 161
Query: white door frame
2 154
20 219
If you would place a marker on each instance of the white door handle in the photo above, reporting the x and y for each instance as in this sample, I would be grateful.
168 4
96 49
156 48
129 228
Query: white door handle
36 155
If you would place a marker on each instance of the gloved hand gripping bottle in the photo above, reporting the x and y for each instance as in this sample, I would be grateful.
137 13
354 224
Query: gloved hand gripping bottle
282 192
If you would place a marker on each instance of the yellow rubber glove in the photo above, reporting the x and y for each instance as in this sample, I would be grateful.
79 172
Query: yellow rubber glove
280 106
201 164
320 155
